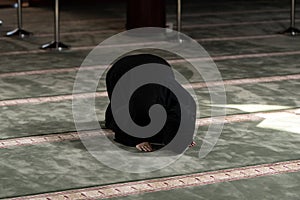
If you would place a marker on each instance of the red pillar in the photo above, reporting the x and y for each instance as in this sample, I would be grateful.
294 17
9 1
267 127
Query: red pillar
146 13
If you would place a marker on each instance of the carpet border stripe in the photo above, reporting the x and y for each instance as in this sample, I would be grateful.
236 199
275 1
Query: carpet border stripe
35 140
59 98
170 183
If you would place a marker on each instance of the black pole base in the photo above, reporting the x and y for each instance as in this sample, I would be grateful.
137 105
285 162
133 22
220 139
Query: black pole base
18 32
292 31
54 45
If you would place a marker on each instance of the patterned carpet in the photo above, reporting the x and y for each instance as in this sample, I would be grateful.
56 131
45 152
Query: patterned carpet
257 155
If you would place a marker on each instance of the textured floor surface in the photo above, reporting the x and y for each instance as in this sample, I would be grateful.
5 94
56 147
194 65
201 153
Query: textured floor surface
257 155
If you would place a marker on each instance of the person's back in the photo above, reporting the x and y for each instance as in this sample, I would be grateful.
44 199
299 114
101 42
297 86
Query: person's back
141 101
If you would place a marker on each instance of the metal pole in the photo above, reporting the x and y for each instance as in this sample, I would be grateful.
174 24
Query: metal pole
178 15
56 44
56 24
19 31
19 13
179 39
292 30
293 13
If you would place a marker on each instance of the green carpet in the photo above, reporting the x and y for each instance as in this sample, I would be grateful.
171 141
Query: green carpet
68 165
271 187
223 28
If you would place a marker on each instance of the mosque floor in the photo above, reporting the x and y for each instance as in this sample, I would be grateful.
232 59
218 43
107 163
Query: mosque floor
257 155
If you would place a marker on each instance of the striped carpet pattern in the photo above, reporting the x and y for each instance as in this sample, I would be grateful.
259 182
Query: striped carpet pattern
118 190
240 38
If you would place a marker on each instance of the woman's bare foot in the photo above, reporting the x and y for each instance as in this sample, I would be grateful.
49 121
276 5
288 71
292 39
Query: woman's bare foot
192 144
144 146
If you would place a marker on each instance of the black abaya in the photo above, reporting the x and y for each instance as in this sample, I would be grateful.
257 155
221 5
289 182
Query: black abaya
143 98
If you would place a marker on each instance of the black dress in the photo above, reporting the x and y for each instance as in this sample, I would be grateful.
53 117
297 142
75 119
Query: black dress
143 98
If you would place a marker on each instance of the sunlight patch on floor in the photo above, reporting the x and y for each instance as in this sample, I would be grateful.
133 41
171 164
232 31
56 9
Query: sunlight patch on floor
288 122
253 107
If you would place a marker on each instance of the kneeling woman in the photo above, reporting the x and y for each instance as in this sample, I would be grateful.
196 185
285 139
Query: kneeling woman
145 97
